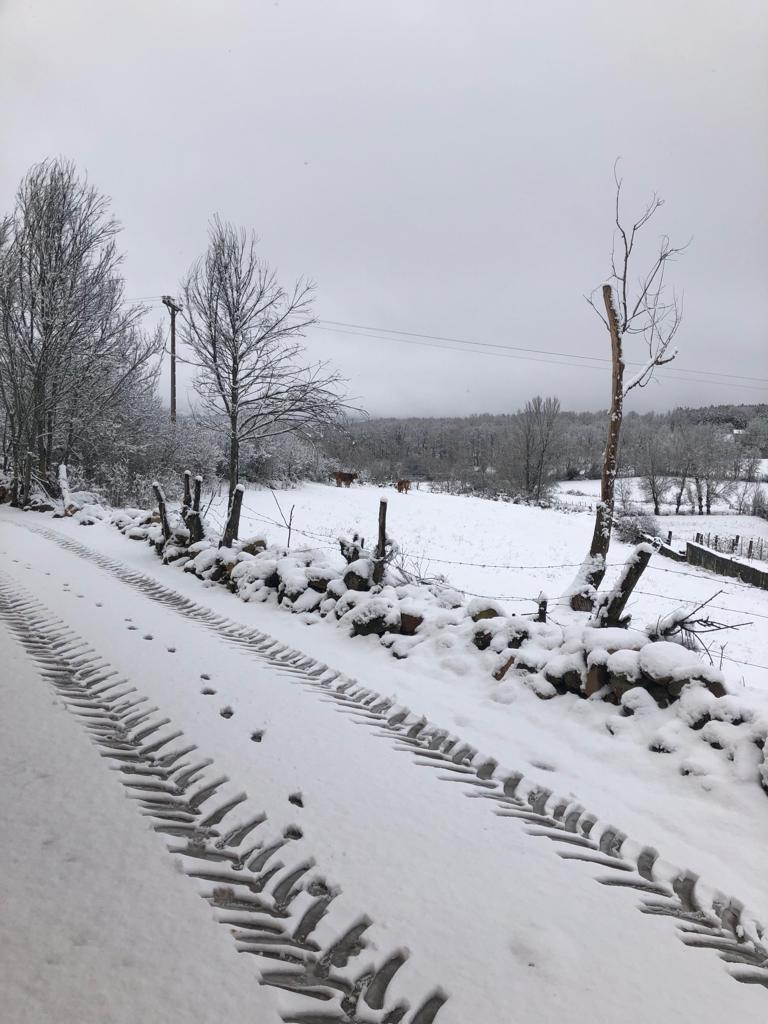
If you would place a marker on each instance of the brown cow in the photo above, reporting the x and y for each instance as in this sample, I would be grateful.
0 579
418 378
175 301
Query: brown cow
343 478
403 486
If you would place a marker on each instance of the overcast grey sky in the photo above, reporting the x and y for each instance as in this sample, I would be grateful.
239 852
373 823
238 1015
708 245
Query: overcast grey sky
437 167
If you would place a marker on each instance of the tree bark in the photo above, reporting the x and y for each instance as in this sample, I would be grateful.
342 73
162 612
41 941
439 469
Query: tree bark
194 522
610 614
234 461
26 489
233 520
601 537
378 565
186 503
165 525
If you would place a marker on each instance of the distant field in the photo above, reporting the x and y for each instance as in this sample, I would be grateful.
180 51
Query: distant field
580 494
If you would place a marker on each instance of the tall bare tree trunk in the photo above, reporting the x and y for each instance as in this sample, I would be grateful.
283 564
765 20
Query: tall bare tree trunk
234 464
601 538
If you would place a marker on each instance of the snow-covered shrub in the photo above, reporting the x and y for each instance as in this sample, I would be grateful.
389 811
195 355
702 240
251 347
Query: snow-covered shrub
635 528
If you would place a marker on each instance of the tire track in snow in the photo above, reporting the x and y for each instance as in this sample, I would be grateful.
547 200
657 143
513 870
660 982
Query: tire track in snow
706 918
273 908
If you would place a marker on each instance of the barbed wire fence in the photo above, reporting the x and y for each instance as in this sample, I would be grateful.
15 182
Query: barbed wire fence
327 540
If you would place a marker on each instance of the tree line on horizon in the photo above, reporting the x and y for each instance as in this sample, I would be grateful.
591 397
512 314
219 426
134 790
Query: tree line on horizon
689 458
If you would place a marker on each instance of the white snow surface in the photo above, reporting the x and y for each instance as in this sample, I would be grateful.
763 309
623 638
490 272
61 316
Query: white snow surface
487 911
97 924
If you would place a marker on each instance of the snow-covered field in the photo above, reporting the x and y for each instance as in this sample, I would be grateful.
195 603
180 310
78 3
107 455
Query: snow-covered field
513 553
582 494
491 917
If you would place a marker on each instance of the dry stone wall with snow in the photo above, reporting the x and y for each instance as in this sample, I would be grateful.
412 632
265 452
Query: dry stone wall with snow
634 669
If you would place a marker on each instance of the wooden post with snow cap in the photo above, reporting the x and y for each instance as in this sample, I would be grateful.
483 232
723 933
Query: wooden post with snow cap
541 615
186 503
233 520
194 522
378 565
609 612
160 496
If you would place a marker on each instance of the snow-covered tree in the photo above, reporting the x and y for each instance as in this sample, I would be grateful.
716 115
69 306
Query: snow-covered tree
654 459
629 310
536 434
243 330
69 343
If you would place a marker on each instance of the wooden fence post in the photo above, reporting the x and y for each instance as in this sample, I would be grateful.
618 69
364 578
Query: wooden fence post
378 564
609 614
194 522
669 539
233 520
541 615
186 503
164 524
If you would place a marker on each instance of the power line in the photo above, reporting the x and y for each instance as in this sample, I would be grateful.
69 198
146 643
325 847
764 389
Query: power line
517 348
520 352
532 359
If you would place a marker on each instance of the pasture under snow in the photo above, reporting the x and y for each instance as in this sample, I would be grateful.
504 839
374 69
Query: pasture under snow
512 553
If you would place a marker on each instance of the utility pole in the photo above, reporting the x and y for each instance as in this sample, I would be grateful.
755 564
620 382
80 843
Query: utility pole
173 309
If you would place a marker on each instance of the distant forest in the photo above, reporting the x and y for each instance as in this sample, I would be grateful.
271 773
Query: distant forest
690 456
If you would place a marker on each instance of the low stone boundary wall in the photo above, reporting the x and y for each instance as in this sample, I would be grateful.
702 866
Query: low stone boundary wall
725 566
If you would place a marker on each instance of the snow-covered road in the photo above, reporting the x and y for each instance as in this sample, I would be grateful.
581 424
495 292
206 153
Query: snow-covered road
473 909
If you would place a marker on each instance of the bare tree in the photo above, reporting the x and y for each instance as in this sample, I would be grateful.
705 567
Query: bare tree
711 466
244 329
68 342
536 434
644 309
654 460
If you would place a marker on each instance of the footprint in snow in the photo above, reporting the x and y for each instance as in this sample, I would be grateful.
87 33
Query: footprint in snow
147 636
208 692
293 832
226 712
257 736
296 799
133 627
171 650
204 675
544 766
